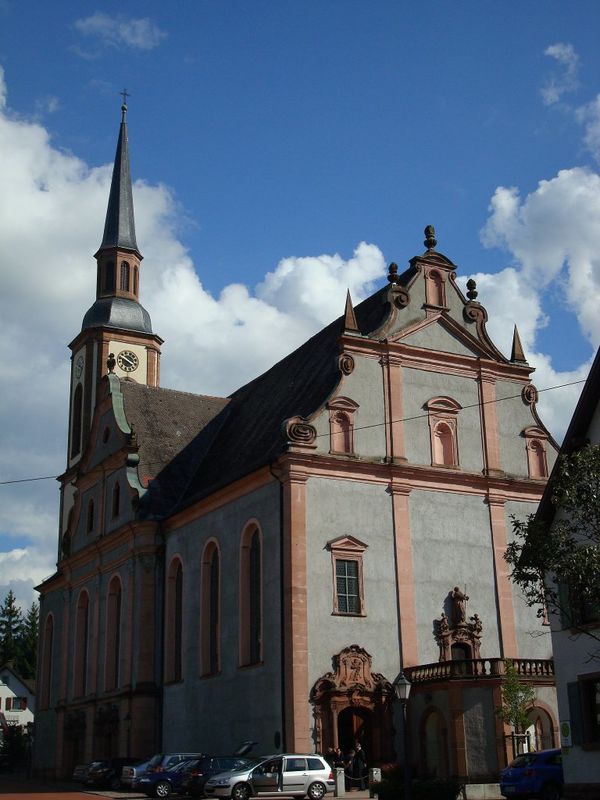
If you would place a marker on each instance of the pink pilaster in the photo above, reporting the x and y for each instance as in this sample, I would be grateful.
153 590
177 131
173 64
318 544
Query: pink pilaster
489 423
407 614
506 612
394 408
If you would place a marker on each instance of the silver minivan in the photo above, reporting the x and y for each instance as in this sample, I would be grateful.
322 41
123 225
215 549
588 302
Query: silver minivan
297 775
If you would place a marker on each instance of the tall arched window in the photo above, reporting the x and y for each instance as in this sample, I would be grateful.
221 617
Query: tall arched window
109 281
251 597
535 442
435 289
90 516
77 419
210 613
174 622
443 431
81 645
124 276
113 634
135 280
116 500
46 670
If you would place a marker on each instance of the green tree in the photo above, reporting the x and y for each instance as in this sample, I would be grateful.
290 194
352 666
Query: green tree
28 641
517 698
555 558
11 625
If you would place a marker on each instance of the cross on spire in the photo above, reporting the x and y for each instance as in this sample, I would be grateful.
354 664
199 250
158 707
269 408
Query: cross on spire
125 94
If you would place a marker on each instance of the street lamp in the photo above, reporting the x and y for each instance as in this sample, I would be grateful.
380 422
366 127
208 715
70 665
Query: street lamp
402 690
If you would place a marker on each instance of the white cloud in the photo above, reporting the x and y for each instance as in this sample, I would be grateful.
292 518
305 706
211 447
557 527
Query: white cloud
119 31
564 81
554 234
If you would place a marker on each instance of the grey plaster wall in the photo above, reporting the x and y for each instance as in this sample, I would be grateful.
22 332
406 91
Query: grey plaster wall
421 386
452 547
337 508
365 386
193 707
435 337
480 733
533 638
513 417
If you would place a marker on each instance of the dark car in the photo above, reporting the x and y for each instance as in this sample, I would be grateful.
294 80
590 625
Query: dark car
162 782
534 774
107 774
197 772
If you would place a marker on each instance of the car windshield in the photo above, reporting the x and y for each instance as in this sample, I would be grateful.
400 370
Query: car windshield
248 764
155 760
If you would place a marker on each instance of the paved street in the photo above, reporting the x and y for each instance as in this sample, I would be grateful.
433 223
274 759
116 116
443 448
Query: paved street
22 788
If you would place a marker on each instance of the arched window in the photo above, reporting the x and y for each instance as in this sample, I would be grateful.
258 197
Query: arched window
46 670
443 444
109 280
135 280
436 289
341 425
90 516
116 500
113 634
124 276
251 597
174 623
81 645
535 443
210 613
77 419
443 426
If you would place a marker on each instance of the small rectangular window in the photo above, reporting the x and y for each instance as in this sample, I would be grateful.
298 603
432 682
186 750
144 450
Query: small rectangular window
347 586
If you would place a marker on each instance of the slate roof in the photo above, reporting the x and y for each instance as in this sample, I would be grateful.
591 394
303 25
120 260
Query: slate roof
119 226
165 422
117 312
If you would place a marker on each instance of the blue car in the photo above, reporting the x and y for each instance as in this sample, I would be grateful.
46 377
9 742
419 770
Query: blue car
162 782
534 774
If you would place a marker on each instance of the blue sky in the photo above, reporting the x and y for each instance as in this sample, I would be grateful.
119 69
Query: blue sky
283 151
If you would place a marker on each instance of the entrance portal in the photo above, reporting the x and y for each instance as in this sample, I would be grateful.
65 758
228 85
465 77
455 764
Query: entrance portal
353 704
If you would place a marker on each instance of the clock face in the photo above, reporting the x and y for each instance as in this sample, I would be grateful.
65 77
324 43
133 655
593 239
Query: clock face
128 361
79 367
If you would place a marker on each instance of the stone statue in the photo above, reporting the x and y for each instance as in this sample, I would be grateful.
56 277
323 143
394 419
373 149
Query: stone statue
459 606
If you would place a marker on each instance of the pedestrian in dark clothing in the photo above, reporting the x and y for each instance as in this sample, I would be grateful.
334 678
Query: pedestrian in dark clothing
359 767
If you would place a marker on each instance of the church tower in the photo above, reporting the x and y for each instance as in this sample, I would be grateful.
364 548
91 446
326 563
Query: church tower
116 334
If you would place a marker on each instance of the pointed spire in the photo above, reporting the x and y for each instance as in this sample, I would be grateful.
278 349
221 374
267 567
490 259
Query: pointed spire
350 323
517 354
119 228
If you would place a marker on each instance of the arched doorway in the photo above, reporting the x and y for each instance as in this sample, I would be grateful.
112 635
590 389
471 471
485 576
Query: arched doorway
354 704
355 725
539 730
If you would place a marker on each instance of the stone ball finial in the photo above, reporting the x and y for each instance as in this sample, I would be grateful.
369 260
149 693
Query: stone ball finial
472 289
393 273
430 240
111 362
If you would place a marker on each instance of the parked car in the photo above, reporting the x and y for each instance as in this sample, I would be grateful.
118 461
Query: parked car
161 761
80 773
537 774
294 774
197 772
107 774
162 782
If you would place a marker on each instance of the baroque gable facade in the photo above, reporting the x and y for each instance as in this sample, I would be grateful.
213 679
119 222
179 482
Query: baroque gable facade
294 547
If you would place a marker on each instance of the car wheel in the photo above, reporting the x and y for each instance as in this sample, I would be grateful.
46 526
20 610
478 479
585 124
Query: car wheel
316 791
551 791
162 789
241 791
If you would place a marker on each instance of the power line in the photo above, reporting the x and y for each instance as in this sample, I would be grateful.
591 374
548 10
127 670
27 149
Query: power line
358 428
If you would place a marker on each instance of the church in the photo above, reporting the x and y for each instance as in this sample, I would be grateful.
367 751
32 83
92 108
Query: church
270 566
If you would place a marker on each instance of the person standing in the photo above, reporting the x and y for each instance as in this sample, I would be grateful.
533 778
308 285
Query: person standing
359 767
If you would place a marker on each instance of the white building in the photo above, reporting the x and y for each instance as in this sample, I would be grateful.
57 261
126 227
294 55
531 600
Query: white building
17 697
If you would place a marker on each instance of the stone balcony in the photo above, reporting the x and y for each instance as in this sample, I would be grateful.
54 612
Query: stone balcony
529 670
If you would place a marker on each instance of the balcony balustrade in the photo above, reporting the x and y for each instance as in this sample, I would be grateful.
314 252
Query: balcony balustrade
528 670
